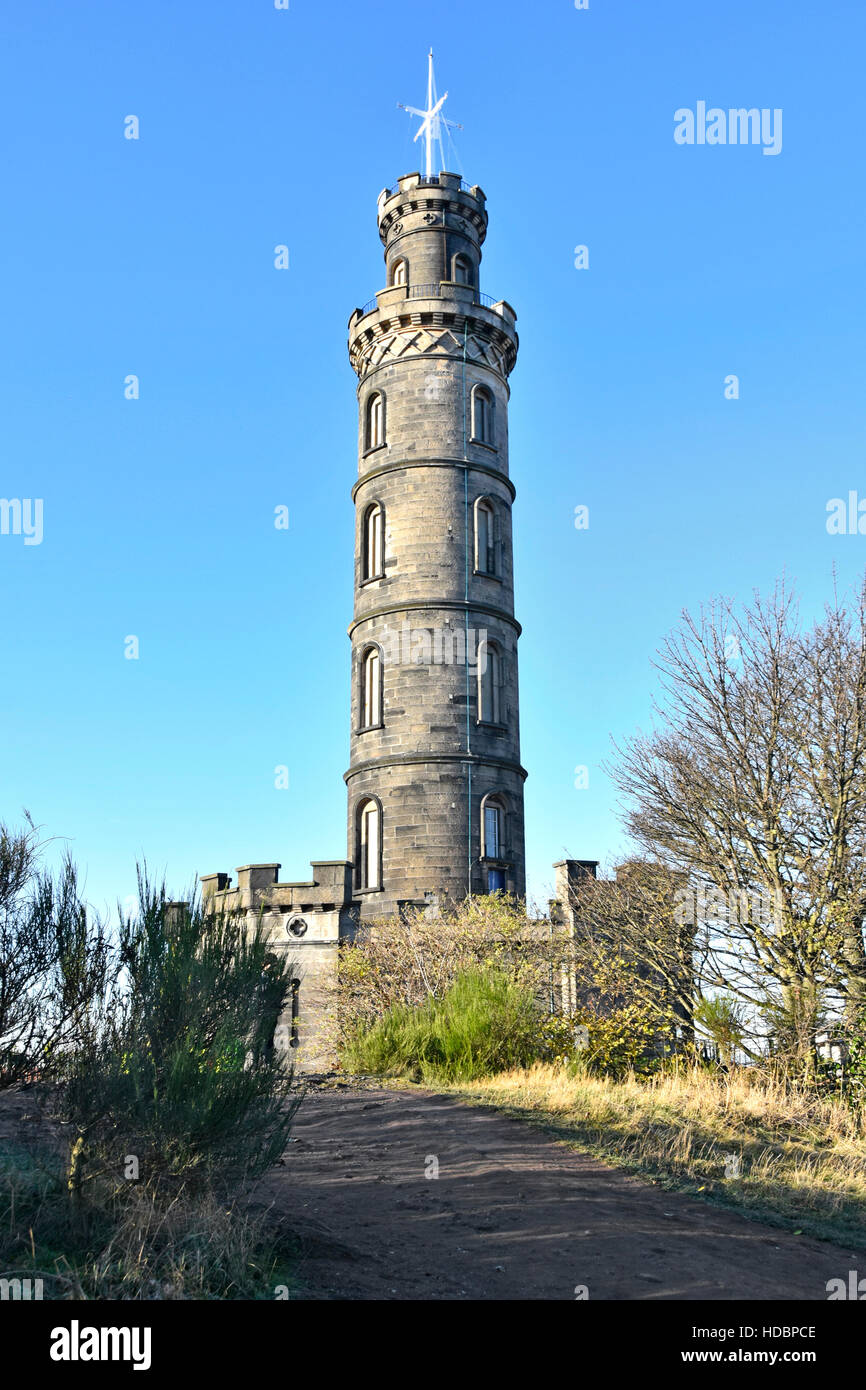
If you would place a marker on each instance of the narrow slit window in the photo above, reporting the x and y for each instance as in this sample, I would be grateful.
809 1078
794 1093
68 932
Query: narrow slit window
493 829
482 415
369 840
485 538
373 542
489 665
296 1011
371 688
375 421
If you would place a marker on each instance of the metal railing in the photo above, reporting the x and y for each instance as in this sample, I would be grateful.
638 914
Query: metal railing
423 291
430 291
424 182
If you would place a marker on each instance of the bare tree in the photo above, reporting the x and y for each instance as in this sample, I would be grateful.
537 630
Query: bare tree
630 946
753 787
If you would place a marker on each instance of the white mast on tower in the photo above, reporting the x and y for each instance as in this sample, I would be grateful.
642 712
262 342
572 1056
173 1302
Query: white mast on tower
432 120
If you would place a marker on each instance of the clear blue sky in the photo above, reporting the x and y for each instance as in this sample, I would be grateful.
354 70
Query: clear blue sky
155 257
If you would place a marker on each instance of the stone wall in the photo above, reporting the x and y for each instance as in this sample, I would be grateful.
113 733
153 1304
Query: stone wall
306 922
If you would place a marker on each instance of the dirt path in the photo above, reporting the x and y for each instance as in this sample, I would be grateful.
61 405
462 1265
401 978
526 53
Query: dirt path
512 1215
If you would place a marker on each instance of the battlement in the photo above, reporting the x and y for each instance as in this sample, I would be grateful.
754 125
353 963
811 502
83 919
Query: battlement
438 184
258 885
432 229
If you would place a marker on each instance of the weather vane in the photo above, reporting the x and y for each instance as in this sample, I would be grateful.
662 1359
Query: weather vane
432 120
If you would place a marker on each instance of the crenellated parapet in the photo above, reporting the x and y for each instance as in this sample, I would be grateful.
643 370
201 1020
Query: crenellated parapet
258 889
430 209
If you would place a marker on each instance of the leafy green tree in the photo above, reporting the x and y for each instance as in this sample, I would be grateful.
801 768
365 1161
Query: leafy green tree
724 1021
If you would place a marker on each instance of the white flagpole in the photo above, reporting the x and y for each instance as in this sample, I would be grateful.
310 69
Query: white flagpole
429 118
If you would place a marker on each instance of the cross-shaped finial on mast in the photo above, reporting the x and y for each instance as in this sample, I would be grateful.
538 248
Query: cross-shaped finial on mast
432 119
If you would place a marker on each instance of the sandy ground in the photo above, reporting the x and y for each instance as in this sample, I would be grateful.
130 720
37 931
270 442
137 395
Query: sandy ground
511 1215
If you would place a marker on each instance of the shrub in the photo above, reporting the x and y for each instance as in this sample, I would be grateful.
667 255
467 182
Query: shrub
621 1042
54 958
407 959
156 1053
179 1072
485 1021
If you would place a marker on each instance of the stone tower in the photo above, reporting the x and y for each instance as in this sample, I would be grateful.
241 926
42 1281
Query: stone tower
435 785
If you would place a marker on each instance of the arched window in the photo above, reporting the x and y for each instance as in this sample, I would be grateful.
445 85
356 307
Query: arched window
400 273
368 844
463 274
375 428
482 415
489 680
371 688
373 543
492 828
485 537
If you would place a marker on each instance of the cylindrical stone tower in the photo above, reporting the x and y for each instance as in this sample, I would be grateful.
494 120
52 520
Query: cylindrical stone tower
435 783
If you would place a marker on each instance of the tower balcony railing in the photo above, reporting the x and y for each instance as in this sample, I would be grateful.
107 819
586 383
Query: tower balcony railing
429 291
423 182
434 290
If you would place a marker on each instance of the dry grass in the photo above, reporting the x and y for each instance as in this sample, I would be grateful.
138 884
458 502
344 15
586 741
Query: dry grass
137 1243
802 1158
